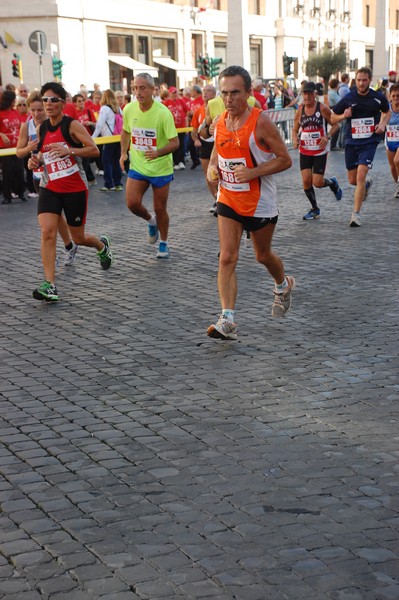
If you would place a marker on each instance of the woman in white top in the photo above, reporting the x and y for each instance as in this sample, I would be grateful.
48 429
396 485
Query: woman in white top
105 126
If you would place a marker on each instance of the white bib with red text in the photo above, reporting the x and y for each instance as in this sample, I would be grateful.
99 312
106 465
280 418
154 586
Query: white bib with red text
362 128
144 138
57 167
227 177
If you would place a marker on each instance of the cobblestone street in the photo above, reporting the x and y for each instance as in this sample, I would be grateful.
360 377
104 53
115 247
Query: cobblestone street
140 459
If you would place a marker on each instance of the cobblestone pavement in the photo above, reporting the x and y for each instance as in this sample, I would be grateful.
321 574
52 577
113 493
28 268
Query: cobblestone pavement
140 459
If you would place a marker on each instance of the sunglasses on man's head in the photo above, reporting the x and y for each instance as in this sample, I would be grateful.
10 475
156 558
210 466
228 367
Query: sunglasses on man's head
52 99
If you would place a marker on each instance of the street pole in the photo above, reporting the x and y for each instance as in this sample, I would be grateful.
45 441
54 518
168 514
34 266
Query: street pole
40 53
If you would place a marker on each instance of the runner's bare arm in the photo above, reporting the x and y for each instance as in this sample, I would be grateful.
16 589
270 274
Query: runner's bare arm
383 122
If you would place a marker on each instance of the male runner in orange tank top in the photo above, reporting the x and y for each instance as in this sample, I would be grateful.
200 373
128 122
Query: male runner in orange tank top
248 151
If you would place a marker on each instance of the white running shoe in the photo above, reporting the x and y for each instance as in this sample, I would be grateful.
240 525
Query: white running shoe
182 165
70 255
355 220
223 330
282 300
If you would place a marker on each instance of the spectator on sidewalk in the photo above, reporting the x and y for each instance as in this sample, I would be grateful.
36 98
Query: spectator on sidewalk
111 152
178 108
12 166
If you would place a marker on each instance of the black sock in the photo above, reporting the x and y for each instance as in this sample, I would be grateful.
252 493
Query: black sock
69 247
329 183
312 197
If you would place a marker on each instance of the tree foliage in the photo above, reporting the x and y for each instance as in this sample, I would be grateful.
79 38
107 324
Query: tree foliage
325 63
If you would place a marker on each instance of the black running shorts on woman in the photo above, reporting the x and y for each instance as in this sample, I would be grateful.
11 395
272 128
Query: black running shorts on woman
74 205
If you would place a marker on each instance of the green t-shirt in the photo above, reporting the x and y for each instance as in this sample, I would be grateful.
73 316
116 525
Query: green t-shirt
152 128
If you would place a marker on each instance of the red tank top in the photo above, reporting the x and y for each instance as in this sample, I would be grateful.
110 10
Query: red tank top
64 174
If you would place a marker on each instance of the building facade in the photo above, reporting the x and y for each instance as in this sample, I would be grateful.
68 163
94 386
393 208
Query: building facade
107 43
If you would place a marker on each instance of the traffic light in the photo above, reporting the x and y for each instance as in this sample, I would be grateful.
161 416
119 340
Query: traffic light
200 65
287 61
15 62
57 67
214 66
206 66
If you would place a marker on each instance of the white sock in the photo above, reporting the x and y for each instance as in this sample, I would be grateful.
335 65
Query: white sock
153 220
228 314
281 286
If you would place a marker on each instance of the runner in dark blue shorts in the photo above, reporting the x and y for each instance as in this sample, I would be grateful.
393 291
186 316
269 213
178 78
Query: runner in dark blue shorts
365 126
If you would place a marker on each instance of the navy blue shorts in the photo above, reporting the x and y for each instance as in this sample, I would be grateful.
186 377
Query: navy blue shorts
362 154
157 182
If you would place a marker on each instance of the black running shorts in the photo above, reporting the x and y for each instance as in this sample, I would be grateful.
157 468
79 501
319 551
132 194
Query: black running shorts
74 205
317 164
248 223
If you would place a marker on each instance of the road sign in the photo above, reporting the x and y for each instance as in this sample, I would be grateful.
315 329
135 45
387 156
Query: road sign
38 42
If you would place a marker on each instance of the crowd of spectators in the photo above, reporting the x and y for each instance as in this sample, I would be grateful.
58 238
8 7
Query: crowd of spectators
96 111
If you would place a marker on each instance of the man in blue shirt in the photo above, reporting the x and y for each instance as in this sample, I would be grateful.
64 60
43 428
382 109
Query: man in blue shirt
365 126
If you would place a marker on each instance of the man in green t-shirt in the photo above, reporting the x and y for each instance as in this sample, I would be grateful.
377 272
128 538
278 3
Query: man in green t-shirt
149 129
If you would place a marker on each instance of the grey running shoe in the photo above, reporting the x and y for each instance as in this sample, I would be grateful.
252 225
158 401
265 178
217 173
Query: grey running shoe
105 255
369 183
282 301
355 220
70 255
223 330
397 191
47 291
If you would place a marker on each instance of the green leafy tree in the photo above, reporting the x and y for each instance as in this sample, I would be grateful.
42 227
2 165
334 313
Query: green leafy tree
325 63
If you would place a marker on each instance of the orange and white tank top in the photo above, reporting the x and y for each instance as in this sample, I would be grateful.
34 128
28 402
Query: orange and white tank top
258 197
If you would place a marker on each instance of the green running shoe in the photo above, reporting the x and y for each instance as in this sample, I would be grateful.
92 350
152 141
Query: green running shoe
105 255
47 291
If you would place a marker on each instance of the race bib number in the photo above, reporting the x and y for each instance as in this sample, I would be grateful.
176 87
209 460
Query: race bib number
227 177
393 133
362 128
57 168
143 139
310 140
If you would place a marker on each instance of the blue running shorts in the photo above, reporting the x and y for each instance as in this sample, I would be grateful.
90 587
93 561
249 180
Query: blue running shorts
157 182
361 154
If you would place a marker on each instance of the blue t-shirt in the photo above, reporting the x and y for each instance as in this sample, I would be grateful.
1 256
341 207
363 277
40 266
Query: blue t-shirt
392 132
366 114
